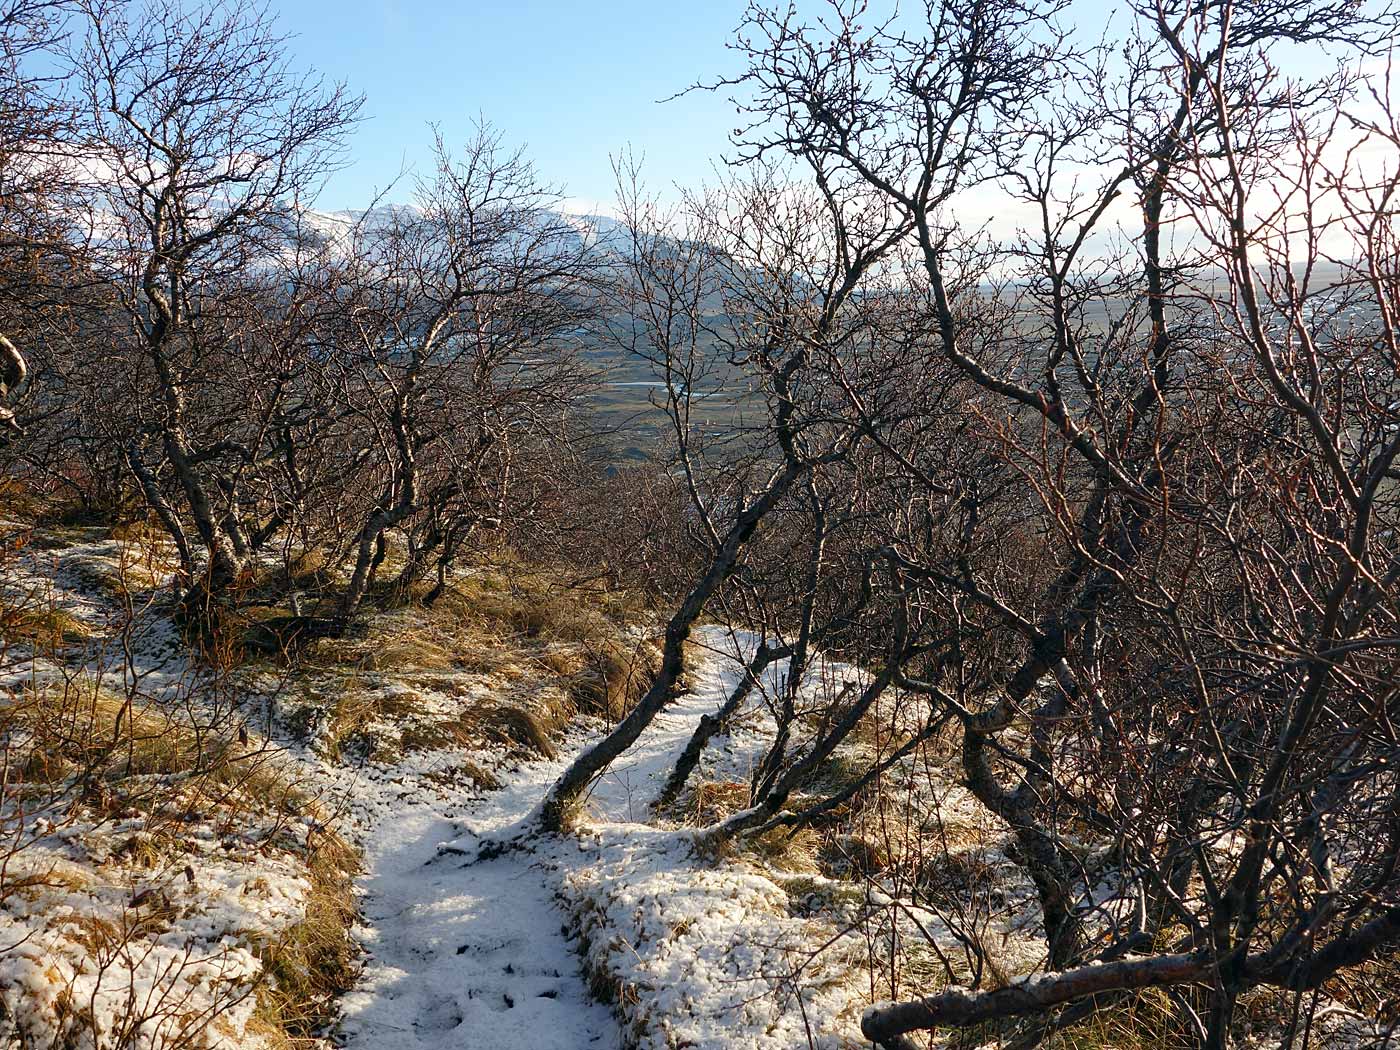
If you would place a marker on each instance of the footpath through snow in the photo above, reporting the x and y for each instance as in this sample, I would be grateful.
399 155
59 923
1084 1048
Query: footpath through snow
466 953
479 953
617 937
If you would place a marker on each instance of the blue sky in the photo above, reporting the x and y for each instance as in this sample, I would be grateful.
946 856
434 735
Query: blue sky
574 83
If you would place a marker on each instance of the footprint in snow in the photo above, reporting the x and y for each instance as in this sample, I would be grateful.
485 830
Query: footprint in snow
440 1015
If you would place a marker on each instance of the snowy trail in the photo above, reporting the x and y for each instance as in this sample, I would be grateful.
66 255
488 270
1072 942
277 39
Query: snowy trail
463 953
625 792
477 955
466 956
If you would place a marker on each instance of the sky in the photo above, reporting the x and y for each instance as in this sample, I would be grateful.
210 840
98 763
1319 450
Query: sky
574 83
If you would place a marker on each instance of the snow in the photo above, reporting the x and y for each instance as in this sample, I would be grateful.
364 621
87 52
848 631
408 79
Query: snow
139 929
458 951
625 792
512 950
620 936
701 954
95 931
485 952
468 952
463 955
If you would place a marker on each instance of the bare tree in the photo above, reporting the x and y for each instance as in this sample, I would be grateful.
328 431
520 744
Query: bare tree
782 269
34 182
1147 412
203 143
453 333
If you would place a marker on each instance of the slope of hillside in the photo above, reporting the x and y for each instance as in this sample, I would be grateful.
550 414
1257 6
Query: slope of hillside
172 907
242 850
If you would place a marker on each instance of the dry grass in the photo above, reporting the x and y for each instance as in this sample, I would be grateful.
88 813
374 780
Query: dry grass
779 849
1146 1020
1371 989
305 570
20 501
810 895
847 855
16 500
612 676
359 717
46 628
108 754
79 728
141 530
555 652
314 961
117 753
530 725
404 645
515 725
138 567
534 604
710 801
385 724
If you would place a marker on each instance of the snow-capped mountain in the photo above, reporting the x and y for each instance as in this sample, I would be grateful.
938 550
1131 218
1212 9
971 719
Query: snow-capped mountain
590 230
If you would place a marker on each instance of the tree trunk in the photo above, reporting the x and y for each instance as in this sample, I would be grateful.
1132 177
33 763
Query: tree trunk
563 798
711 725
14 380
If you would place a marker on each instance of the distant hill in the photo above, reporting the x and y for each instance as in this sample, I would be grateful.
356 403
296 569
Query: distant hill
627 382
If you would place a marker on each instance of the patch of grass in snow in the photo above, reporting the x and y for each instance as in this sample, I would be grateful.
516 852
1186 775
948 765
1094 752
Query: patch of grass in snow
948 877
361 719
710 801
124 567
177 859
402 641
505 658
47 628
576 633
1146 1020
780 849
533 729
854 855
694 954
784 850
613 675
308 569
377 717
504 725
139 530
810 895
314 961
837 772
114 751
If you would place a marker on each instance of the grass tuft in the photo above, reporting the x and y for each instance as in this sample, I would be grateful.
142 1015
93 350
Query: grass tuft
48 628
314 961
